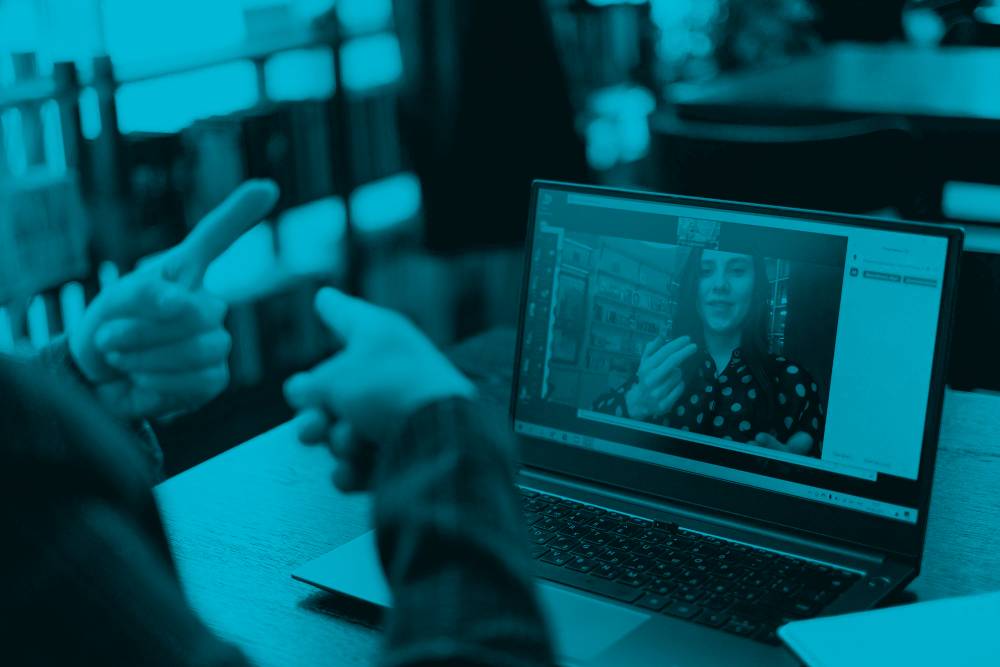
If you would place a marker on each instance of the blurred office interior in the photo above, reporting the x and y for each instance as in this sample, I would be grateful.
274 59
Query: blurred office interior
404 136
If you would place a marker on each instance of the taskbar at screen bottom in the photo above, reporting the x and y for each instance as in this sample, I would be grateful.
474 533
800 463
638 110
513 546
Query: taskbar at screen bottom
825 496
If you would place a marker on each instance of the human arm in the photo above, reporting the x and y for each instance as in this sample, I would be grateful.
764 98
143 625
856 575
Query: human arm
402 421
56 358
798 412
88 578
657 384
452 544
153 343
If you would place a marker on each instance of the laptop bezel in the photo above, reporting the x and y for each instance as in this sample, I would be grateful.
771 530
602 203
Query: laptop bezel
771 509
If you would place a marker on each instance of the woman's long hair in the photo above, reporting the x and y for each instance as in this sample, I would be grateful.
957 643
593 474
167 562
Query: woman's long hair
754 331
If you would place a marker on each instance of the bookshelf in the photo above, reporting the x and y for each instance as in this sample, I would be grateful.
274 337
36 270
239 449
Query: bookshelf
627 301
123 195
779 307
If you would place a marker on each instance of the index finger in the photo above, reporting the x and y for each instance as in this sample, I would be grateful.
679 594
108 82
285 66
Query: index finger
317 387
645 361
654 344
670 364
668 349
347 317
240 211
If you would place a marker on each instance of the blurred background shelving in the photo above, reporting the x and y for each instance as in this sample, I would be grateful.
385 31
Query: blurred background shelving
610 302
404 136
118 138
778 317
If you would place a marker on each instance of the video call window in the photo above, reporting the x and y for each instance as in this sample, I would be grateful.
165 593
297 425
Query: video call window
726 347
705 341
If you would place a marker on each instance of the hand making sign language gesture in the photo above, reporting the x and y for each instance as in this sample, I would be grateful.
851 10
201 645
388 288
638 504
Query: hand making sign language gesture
153 343
659 381
361 398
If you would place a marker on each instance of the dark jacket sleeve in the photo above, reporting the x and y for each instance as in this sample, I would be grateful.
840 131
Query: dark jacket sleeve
86 574
453 544
613 402
55 357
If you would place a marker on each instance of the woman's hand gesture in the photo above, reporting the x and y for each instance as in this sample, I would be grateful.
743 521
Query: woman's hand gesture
659 384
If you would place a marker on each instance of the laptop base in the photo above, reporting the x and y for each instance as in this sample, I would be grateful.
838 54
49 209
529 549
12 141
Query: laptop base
586 630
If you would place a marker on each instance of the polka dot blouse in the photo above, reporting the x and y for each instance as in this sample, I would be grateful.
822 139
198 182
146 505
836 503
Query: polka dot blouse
732 405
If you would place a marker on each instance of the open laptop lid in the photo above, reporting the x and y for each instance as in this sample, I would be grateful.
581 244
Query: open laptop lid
843 326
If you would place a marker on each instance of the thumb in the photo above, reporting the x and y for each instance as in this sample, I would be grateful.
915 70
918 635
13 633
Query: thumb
219 229
768 440
800 440
306 391
142 293
346 316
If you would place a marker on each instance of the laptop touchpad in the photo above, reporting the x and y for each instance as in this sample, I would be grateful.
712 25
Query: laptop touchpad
353 569
569 612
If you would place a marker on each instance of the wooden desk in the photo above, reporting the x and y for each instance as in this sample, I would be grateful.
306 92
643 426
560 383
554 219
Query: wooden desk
241 522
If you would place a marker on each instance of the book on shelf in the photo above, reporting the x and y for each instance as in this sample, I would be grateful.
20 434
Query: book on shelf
43 234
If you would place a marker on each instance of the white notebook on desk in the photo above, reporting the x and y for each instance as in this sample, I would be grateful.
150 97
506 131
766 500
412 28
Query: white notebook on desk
953 631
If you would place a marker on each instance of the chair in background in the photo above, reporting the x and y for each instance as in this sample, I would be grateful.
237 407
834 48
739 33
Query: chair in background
852 166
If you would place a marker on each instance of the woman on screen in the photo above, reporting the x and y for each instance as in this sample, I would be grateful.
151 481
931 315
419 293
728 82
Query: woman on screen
715 376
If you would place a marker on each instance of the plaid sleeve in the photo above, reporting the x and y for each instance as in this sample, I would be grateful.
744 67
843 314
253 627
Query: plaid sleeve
452 544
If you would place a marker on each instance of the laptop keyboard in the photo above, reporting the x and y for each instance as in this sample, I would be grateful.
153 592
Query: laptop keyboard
663 568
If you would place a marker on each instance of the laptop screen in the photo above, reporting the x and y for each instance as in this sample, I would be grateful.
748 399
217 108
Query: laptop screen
789 355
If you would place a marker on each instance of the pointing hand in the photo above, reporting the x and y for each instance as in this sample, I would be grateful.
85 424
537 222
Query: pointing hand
153 343
363 396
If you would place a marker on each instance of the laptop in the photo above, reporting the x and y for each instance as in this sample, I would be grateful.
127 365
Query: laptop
728 414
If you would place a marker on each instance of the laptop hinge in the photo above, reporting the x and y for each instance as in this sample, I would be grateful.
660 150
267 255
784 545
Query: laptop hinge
703 520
